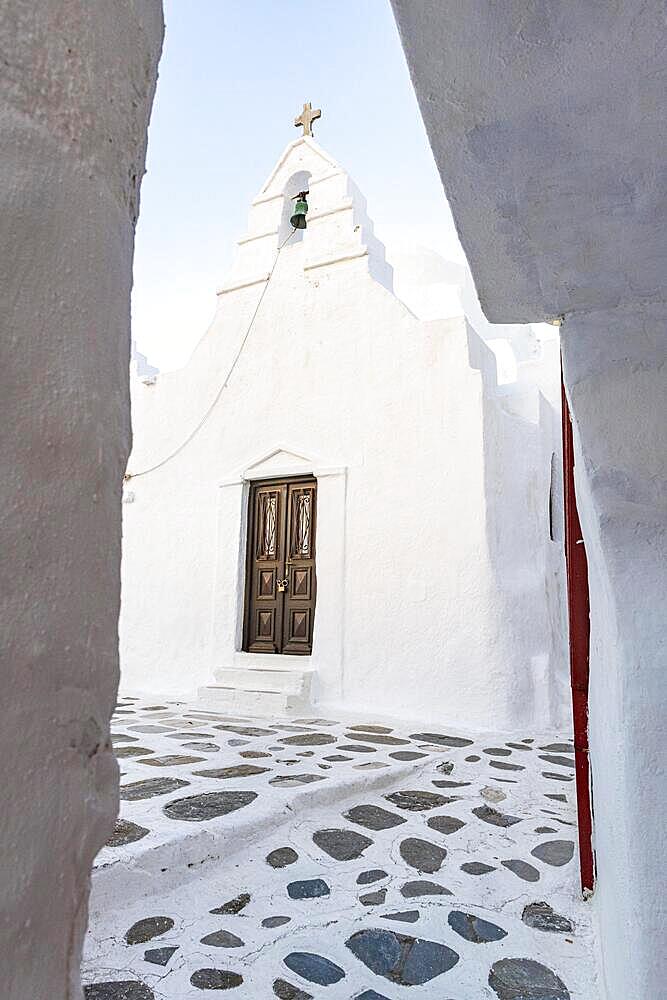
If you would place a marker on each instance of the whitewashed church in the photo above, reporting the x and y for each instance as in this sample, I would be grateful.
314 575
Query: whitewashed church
334 504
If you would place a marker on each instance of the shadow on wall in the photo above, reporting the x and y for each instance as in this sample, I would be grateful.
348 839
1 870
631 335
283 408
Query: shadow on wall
523 506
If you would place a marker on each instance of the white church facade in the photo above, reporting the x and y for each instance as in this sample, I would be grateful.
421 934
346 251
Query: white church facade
334 504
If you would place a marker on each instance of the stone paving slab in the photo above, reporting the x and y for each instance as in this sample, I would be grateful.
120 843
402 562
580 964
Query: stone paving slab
455 880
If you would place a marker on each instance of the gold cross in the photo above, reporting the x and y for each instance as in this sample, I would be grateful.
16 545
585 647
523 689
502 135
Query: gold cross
307 117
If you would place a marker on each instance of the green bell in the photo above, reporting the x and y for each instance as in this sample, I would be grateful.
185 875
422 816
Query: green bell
298 220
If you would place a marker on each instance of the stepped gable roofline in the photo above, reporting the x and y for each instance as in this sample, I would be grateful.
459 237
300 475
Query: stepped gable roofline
339 229
329 165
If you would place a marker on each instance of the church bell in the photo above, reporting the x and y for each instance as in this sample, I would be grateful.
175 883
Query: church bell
298 219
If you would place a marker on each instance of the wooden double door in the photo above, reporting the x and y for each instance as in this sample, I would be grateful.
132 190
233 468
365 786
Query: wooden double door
280 567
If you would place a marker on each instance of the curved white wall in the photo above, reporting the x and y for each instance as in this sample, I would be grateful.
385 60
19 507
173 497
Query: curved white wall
75 94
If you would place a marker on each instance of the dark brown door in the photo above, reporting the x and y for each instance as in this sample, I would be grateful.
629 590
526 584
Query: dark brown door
280 567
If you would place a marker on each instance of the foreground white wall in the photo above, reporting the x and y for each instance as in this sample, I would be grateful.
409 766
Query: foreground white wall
546 124
614 366
75 93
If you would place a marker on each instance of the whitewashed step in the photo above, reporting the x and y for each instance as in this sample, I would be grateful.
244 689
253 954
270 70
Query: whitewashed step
239 701
270 661
285 681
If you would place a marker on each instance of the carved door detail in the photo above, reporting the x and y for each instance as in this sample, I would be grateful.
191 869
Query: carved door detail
280 567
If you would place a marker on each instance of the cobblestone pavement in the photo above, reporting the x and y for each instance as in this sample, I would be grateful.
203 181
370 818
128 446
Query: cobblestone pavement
352 860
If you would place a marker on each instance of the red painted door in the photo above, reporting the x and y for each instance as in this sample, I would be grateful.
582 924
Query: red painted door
579 644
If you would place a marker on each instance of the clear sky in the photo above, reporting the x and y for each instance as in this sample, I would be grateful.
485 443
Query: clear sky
233 75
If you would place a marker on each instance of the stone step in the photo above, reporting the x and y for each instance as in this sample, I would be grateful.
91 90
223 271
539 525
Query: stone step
286 681
269 661
264 704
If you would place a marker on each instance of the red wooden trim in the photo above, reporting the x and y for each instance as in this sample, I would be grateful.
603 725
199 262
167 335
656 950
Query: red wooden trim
578 607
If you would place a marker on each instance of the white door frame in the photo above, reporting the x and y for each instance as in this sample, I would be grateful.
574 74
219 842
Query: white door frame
229 593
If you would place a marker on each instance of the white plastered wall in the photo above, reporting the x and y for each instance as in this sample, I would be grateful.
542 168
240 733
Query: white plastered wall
397 423
76 89
614 367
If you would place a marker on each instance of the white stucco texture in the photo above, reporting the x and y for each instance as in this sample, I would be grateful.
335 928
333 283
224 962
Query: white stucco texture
614 365
546 125
438 584
75 94
548 119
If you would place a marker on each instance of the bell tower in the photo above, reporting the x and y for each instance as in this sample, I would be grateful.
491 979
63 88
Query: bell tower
332 226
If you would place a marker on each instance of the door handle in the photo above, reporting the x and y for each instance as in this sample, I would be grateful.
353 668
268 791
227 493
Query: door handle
283 585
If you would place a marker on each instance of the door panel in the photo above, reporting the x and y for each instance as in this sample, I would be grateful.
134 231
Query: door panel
280 567
300 568
266 537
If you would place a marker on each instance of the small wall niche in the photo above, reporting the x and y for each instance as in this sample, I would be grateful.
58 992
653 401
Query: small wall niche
299 181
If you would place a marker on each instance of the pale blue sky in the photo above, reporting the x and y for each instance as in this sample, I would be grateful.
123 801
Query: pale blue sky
233 75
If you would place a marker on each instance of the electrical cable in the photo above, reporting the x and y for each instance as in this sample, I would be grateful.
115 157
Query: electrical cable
158 465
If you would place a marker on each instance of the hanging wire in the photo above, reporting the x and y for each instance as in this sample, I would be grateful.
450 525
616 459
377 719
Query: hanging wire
184 444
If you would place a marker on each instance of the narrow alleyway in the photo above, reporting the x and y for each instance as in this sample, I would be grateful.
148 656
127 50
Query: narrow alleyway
348 860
